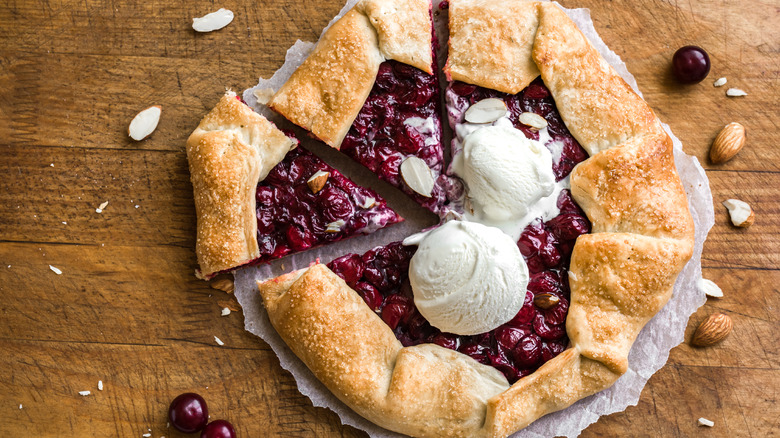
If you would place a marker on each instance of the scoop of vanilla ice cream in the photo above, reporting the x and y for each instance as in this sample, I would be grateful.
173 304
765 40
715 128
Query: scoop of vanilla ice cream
467 278
505 172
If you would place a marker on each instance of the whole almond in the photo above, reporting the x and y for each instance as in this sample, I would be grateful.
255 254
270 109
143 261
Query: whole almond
712 330
546 301
728 142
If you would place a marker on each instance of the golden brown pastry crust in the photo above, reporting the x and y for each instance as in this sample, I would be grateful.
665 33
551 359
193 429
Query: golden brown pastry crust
490 44
425 390
230 151
620 275
326 93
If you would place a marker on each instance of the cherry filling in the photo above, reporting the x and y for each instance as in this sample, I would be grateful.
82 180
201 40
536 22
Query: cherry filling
291 217
538 332
535 98
535 335
399 119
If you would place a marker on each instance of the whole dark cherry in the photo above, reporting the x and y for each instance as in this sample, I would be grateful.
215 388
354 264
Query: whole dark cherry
188 413
690 64
218 429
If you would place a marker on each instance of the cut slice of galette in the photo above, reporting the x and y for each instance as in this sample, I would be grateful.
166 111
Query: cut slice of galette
259 197
369 89
573 228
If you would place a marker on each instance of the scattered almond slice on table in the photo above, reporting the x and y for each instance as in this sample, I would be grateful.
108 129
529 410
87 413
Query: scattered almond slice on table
735 92
727 143
705 422
712 330
144 123
53 269
225 284
740 212
720 82
709 288
213 21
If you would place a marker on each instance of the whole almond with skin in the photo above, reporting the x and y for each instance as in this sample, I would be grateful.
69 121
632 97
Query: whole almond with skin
728 142
712 330
546 301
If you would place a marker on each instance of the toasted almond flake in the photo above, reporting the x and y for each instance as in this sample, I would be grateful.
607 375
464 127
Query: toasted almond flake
335 227
20 406
317 181
368 203
705 422
233 306
100 385
144 123
146 435
486 111
55 270
225 311
64 223
533 120
735 92
218 341
225 284
720 82
52 164
264 96
85 393
213 21
740 212
417 175
101 207
709 288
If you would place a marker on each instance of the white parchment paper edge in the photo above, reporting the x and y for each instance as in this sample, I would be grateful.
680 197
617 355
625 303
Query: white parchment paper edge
649 353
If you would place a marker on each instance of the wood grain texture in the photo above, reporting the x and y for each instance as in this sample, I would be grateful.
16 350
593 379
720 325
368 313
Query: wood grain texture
127 309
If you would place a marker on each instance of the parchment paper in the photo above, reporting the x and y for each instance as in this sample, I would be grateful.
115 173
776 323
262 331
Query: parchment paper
651 349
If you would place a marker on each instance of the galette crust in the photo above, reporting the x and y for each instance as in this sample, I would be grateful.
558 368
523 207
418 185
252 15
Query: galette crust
491 42
620 275
326 93
230 151
424 390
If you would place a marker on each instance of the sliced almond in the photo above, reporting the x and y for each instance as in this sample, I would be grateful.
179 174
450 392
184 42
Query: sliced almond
705 422
727 143
318 180
709 288
335 226
368 203
712 330
213 21
486 111
546 301
144 123
740 212
225 284
417 175
735 92
233 306
720 82
533 120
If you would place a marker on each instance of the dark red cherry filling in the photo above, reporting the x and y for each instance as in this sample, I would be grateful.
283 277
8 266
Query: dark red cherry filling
399 119
291 217
535 335
517 348
535 98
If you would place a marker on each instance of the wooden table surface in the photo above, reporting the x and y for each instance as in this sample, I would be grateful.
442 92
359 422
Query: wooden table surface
127 308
